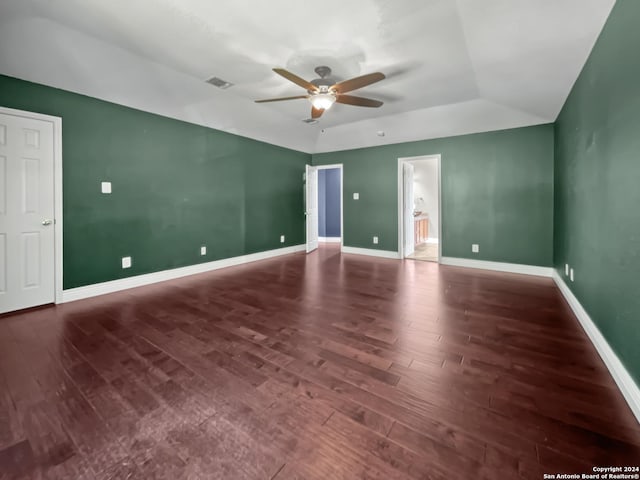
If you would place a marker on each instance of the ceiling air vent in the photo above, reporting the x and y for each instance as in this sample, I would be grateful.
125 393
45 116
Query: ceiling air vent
218 82
310 121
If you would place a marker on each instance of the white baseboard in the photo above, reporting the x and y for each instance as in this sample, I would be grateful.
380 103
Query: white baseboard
432 240
498 266
330 239
79 293
370 251
621 376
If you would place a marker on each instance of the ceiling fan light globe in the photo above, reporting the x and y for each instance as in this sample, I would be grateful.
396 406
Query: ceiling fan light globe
322 101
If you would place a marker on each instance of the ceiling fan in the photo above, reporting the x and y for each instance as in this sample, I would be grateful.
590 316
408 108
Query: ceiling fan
323 92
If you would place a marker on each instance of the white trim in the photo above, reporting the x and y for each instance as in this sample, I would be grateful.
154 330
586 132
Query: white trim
88 291
498 266
57 189
401 160
330 167
371 252
630 390
311 214
330 239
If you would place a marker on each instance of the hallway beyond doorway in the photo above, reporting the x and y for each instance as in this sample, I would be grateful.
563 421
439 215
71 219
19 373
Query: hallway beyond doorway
427 252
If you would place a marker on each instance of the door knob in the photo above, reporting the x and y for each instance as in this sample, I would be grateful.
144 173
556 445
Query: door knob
47 222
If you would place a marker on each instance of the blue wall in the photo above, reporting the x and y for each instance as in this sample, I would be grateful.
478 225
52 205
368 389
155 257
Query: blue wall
329 202
322 202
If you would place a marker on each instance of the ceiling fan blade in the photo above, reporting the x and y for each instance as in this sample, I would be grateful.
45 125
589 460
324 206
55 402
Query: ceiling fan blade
316 112
358 82
296 79
358 101
281 99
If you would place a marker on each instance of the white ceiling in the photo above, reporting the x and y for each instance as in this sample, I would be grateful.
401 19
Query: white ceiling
453 66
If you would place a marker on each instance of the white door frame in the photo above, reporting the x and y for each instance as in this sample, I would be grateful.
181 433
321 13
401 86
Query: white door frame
57 188
408 224
339 167
401 161
311 207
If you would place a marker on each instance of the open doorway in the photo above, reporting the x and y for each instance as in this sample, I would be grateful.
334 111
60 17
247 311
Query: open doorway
322 196
330 203
419 225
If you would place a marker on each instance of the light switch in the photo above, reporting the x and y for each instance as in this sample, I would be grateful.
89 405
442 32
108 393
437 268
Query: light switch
106 187
356 196
126 262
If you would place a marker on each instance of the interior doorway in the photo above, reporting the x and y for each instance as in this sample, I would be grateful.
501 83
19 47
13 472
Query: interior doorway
330 204
30 209
419 208
323 205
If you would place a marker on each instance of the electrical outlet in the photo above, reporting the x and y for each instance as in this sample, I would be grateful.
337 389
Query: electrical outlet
571 274
356 196
126 262
475 248
203 250
281 238
105 187
566 269
375 240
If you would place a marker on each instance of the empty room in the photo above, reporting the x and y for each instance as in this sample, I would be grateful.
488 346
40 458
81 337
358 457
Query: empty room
347 240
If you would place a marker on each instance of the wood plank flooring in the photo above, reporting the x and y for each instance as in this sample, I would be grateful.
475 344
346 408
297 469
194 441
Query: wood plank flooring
320 366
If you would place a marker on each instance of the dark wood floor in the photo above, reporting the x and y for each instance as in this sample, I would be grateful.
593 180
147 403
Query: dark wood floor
311 367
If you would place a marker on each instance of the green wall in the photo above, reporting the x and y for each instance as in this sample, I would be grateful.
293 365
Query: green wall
176 186
544 195
497 191
597 189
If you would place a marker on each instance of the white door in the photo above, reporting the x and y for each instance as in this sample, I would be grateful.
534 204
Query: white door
27 275
311 207
409 224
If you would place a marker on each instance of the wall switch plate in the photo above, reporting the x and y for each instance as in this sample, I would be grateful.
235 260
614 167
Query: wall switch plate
571 274
203 250
356 196
475 248
566 269
375 240
126 262
281 238
105 187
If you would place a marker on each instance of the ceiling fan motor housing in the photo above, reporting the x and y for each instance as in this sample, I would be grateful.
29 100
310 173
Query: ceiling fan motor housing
325 80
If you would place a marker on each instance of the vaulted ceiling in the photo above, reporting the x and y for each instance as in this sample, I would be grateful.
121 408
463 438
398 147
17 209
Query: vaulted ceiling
452 66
